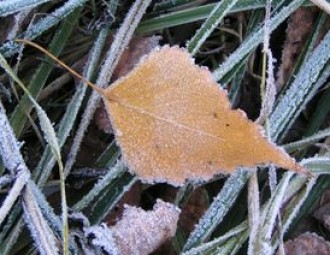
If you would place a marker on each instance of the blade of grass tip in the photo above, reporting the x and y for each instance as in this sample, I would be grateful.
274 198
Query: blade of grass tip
218 209
41 232
50 136
252 41
40 77
118 46
211 23
8 7
8 49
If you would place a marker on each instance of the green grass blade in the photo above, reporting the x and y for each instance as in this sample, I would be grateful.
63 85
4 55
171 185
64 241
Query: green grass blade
218 209
304 87
213 20
19 116
254 40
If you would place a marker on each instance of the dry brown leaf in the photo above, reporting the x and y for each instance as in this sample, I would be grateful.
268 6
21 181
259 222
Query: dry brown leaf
173 122
299 28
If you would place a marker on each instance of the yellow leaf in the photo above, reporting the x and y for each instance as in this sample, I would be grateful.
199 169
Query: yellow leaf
173 122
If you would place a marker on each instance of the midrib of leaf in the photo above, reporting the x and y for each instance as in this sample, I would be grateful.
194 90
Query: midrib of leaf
19 116
152 115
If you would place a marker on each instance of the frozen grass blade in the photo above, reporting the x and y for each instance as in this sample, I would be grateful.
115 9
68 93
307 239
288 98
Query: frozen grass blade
270 213
110 196
208 247
292 210
13 161
214 19
19 116
112 174
317 165
303 143
254 40
253 210
47 162
22 177
118 46
194 14
50 136
218 209
8 7
304 87
10 48
41 232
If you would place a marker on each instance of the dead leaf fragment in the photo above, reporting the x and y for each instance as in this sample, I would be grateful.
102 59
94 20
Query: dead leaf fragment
141 232
307 244
173 122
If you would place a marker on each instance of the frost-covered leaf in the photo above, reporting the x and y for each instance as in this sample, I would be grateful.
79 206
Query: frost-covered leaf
138 232
173 122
